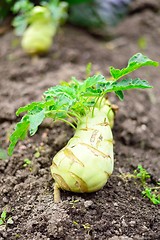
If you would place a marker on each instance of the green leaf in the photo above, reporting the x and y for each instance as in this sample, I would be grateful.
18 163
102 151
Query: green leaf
92 81
90 92
20 24
120 95
59 90
126 84
35 120
135 62
1 222
3 215
22 6
26 108
27 162
19 133
154 198
35 105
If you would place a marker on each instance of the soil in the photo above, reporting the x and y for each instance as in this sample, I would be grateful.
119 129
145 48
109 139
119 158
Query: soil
118 211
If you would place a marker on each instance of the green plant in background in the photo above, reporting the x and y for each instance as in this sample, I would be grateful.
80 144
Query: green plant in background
5 8
20 22
98 14
86 162
38 24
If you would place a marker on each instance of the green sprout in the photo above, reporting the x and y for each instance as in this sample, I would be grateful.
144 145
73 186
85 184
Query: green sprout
142 174
73 202
27 162
4 219
152 194
149 192
87 227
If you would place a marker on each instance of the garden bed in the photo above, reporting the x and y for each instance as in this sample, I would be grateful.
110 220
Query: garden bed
118 211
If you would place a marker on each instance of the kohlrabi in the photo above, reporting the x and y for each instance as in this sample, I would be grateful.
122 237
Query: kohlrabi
87 161
38 24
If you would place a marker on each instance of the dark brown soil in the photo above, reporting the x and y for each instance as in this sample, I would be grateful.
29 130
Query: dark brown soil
118 211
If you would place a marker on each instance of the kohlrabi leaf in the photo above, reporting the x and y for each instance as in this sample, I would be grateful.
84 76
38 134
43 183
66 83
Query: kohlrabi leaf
120 95
20 24
92 81
34 105
26 108
19 133
4 215
59 91
35 120
126 84
135 62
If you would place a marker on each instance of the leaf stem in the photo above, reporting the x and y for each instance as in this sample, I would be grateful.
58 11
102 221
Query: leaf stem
64 120
95 105
75 115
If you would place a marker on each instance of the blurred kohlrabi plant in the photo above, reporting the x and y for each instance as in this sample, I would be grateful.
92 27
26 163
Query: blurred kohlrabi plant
38 24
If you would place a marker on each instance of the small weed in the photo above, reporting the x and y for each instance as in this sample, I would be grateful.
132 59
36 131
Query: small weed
75 223
17 235
87 227
142 174
27 162
149 192
37 153
73 202
4 219
152 194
